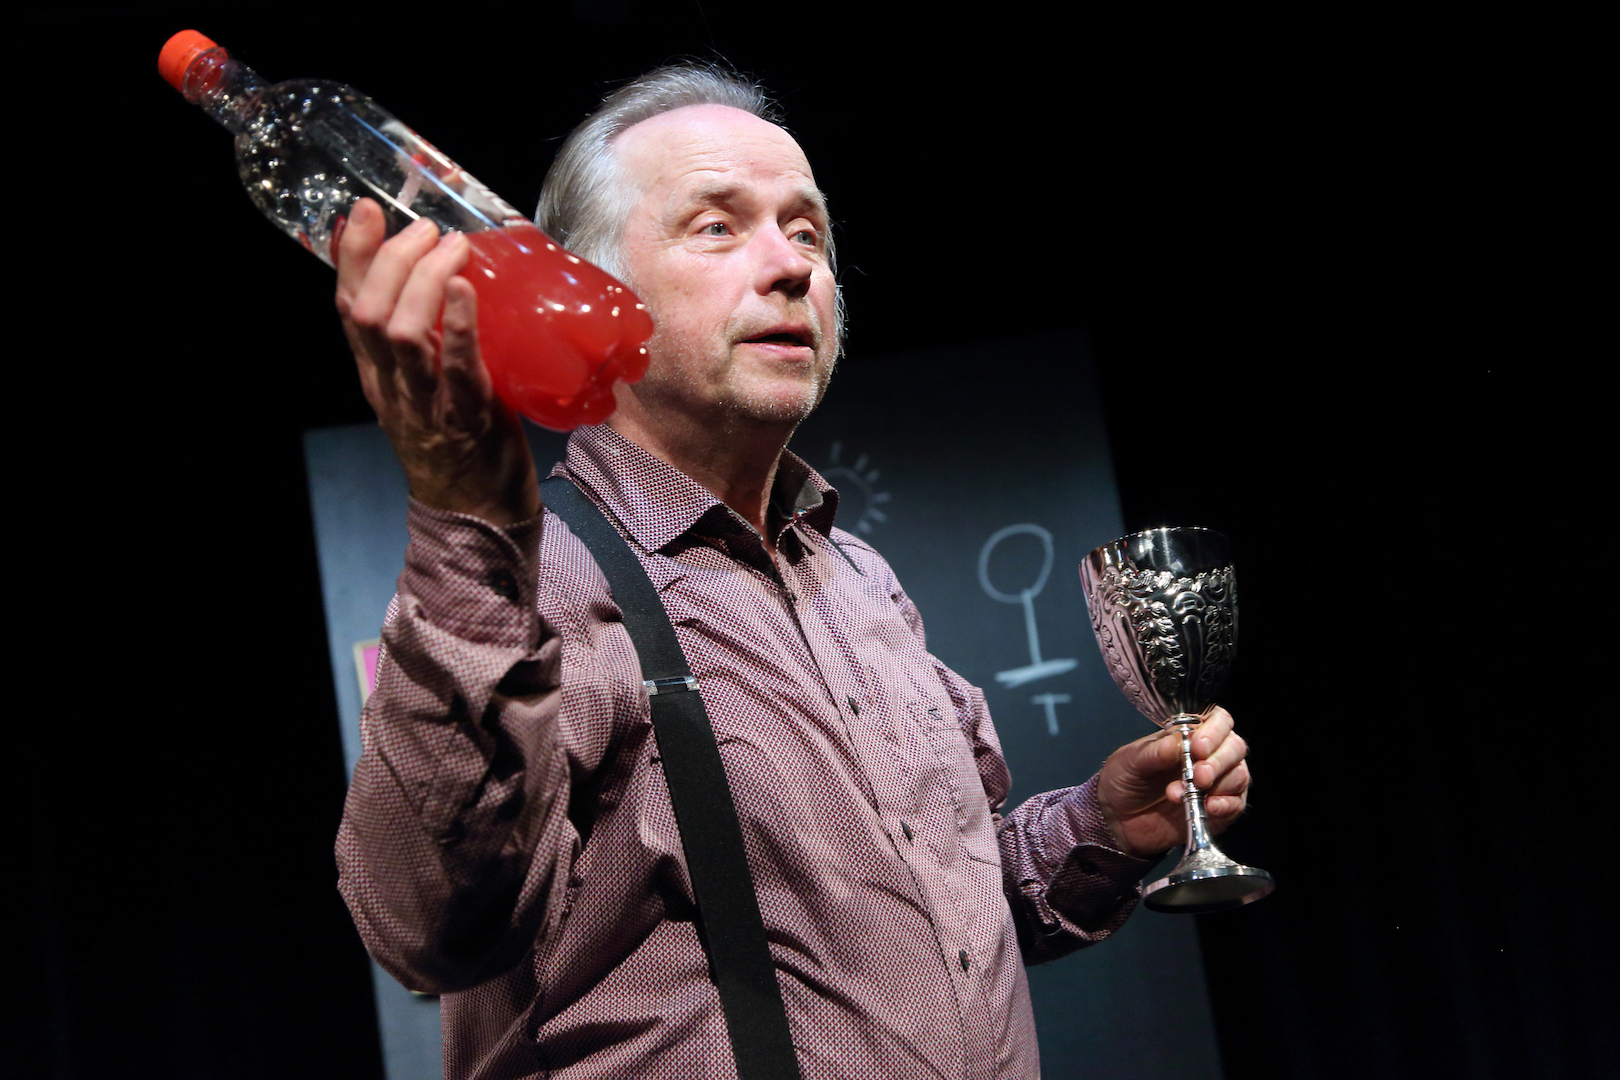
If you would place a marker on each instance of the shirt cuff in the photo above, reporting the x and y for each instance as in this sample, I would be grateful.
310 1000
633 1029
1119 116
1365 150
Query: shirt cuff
1092 884
470 578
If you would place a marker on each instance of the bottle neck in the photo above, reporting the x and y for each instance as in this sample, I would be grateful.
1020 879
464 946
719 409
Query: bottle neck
224 88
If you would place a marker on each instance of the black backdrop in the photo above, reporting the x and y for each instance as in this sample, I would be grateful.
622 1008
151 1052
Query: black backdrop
1339 273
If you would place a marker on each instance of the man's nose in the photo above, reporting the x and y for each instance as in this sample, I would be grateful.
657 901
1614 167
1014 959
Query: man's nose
783 265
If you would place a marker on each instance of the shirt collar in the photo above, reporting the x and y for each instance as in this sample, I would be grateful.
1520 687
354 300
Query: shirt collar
656 502
800 492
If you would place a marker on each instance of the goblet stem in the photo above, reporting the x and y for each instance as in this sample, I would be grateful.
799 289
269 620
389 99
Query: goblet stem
1198 838
1205 879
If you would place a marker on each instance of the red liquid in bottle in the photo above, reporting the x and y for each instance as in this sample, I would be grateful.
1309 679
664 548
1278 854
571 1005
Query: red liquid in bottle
554 330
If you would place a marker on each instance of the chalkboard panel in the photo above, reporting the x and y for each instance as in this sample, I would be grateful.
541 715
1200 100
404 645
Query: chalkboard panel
983 474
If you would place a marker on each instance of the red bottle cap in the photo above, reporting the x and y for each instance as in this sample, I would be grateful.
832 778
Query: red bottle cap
177 55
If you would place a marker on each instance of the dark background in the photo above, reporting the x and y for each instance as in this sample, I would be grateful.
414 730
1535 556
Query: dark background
1339 271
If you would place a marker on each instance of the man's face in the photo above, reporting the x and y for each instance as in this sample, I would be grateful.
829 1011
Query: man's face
727 246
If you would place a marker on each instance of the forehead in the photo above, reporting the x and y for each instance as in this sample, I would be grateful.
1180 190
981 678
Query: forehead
701 145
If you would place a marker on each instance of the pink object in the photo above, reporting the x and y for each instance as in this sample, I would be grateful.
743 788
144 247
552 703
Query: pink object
365 666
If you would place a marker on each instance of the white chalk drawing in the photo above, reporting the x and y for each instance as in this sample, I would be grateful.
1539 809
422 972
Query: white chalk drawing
1051 702
1036 668
858 498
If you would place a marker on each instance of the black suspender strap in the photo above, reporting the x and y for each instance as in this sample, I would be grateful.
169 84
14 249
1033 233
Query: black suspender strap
728 912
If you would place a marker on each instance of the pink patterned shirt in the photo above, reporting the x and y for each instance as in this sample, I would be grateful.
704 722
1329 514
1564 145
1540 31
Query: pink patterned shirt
508 839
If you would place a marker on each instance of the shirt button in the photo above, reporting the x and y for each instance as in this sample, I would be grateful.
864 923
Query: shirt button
905 828
854 706
962 958
504 584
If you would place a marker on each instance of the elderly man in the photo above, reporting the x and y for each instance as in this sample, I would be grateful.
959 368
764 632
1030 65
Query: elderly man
509 840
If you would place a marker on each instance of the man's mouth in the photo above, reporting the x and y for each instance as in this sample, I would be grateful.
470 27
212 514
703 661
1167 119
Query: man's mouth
792 336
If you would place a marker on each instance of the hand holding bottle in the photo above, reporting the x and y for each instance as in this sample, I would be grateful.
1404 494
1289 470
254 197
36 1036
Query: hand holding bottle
461 447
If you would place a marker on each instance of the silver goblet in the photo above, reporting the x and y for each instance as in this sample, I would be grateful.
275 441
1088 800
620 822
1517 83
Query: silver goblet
1164 608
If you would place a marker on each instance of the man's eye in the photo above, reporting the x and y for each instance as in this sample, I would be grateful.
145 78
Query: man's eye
716 228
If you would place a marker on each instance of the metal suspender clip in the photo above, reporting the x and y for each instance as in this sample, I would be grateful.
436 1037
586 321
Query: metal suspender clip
669 686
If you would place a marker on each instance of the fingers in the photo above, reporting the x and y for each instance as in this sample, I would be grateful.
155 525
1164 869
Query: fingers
362 236
411 331
1209 734
1220 769
392 314
1154 754
374 304
1223 773
1227 757
1223 809
464 374
1140 788
383 271
1217 749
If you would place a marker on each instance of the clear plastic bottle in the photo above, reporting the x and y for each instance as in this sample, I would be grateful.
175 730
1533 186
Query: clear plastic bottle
555 331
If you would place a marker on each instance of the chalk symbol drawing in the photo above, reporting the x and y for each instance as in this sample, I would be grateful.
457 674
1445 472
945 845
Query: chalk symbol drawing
1036 668
1051 702
857 491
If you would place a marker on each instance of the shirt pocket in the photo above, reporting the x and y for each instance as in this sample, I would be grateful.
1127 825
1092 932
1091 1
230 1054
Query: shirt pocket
974 824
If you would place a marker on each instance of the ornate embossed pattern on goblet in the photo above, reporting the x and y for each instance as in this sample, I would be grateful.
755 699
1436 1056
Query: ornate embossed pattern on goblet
1168 639
1164 608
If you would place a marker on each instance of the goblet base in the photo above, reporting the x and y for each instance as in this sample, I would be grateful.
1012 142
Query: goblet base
1195 890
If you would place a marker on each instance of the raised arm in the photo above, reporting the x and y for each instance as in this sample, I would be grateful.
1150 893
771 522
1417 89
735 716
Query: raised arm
456 843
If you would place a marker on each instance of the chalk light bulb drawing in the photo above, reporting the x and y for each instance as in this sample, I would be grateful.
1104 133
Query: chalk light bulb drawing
859 500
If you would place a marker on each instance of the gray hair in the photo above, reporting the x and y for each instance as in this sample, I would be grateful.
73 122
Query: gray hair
586 199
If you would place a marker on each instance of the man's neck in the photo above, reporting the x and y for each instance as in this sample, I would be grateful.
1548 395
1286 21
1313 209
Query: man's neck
735 460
